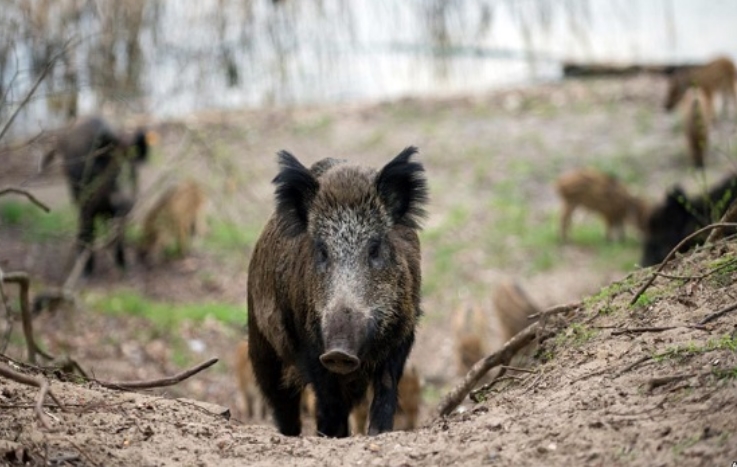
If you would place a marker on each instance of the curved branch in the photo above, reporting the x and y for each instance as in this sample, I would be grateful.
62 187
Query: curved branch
27 194
157 383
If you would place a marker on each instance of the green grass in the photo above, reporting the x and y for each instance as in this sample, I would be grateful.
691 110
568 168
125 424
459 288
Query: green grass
726 342
226 236
164 315
37 225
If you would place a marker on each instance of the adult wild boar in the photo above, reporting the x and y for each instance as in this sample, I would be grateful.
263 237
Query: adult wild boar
679 216
96 159
334 289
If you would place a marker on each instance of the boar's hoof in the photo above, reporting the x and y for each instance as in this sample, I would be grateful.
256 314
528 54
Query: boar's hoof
339 362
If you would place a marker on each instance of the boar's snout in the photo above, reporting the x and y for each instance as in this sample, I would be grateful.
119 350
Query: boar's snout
338 361
344 332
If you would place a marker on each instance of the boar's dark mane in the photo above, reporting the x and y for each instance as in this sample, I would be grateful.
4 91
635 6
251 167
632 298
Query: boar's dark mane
402 187
296 187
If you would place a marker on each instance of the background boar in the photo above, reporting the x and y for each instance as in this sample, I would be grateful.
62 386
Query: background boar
601 193
513 307
696 125
173 221
334 289
252 401
95 158
717 76
679 216
408 404
472 336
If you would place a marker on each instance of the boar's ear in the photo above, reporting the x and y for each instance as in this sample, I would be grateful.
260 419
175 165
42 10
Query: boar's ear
403 189
676 197
295 190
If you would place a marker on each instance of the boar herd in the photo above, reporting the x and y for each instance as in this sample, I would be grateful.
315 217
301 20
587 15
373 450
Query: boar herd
334 279
663 226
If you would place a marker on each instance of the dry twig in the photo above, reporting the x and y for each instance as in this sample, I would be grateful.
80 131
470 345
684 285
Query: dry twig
21 278
718 313
672 253
656 329
31 198
633 365
730 216
556 310
157 383
40 383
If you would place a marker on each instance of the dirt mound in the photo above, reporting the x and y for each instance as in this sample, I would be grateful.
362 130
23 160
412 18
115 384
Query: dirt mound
641 384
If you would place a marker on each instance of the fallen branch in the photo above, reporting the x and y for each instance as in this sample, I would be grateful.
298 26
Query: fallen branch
31 198
157 383
558 309
672 253
474 375
718 313
657 329
633 365
475 395
730 216
40 383
21 278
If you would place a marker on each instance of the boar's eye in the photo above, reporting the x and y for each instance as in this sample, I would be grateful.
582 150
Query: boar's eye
321 254
374 253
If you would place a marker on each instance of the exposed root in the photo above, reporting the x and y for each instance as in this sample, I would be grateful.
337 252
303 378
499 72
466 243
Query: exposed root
40 383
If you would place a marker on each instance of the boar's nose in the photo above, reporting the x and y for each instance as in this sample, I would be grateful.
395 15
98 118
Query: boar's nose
338 361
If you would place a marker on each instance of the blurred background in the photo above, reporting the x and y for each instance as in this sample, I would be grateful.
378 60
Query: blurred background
167 58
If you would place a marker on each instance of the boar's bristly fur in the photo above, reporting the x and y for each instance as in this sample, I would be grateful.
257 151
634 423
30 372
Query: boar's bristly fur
334 289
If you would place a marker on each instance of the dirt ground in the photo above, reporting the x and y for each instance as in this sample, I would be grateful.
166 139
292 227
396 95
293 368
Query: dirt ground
491 161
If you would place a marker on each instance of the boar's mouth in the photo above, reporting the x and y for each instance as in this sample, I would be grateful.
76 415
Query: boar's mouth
340 361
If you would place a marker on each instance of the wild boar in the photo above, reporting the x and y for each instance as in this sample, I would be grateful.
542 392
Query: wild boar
680 215
696 126
408 404
601 193
716 76
252 401
95 159
472 336
334 289
173 221
513 308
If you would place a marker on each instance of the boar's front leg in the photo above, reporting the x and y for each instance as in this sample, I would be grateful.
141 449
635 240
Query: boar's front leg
332 407
385 383
268 368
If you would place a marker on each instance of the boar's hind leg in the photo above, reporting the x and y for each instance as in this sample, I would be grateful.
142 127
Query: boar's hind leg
385 383
85 237
268 368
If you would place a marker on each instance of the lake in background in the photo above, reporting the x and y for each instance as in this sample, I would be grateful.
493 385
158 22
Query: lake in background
172 57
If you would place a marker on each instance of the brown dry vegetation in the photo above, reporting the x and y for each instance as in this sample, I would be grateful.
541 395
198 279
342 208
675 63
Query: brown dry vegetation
491 162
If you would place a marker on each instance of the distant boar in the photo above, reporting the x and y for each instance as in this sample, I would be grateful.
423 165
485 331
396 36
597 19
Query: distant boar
719 75
472 336
172 221
601 193
679 216
696 125
95 159
513 308
334 289
408 405
252 400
